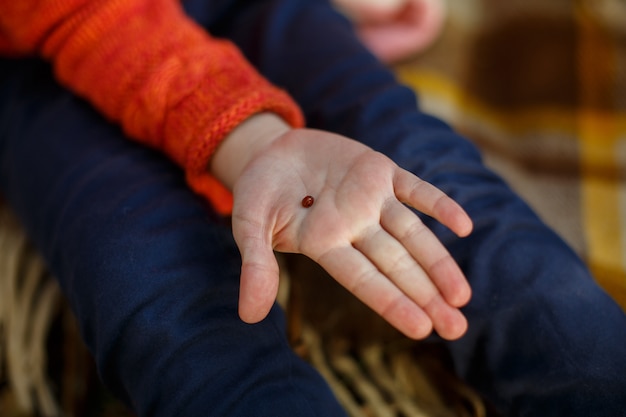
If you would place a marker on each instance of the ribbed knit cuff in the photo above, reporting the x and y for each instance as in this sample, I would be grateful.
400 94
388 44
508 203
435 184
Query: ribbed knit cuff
268 99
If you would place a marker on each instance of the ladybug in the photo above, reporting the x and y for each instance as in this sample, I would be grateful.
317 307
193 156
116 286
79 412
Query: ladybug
307 201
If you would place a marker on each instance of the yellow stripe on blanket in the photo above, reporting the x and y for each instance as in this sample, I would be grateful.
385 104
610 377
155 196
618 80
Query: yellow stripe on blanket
445 99
602 137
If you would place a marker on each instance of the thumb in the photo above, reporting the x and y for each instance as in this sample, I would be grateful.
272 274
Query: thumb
258 285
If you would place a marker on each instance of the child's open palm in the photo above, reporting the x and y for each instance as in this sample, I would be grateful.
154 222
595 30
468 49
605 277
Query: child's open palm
358 229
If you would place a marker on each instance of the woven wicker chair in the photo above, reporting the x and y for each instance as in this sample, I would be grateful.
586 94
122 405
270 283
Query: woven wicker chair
29 302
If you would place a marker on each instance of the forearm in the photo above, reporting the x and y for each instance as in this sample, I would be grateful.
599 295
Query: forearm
242 143
148 67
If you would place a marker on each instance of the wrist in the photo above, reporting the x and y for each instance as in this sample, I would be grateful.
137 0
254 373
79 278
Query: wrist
243 143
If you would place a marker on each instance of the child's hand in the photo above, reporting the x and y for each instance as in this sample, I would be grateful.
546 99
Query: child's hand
357 229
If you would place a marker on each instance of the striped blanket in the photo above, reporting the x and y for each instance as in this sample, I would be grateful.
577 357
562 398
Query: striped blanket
541 88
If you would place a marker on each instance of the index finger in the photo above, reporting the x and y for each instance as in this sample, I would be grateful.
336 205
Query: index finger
430 200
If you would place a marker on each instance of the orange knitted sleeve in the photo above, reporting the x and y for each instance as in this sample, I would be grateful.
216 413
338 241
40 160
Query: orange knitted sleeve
145 65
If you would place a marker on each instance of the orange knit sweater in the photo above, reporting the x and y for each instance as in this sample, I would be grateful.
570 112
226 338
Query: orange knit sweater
145 65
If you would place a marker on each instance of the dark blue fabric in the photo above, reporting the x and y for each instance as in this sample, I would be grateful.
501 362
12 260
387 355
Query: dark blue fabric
152 274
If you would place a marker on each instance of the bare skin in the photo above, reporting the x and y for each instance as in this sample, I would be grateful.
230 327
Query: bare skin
395 29
359 229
